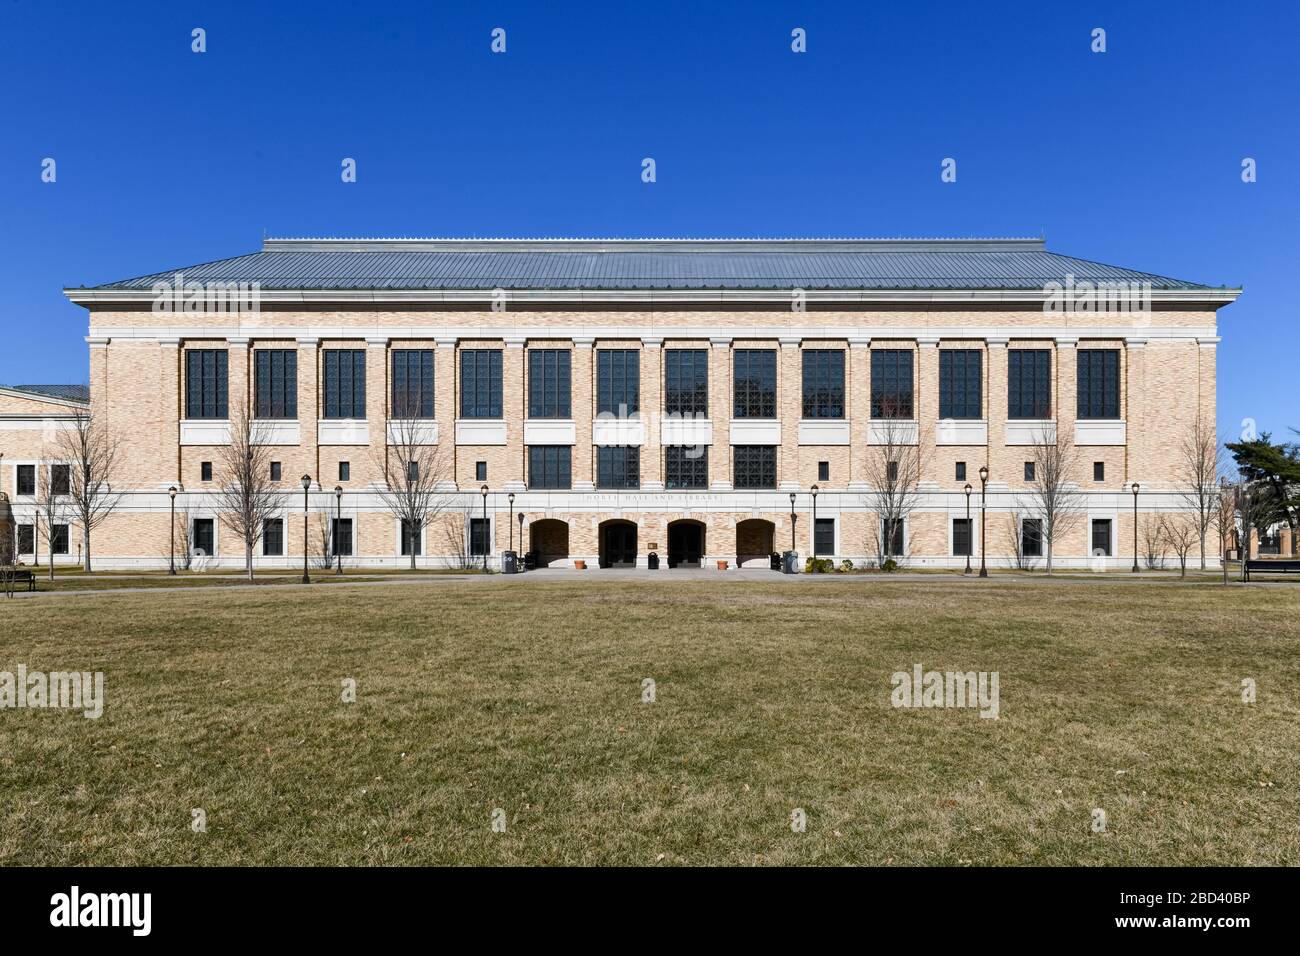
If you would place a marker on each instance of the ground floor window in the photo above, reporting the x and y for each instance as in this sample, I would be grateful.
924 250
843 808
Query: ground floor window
1101 536
273 537
59 539
618 466
755 466
341 537
961 537
1031 538
478 536
411 538
203 536
824 536
550 467
26 539
892 535
686 466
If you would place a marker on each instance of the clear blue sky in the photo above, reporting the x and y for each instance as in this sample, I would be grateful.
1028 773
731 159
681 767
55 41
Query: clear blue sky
1133 157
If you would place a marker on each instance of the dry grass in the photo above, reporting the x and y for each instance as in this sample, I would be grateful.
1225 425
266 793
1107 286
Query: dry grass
527 697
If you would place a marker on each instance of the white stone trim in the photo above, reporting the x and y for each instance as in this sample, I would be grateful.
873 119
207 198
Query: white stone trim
908 432
1094 432
205 431
824 431
480 431
424 431
954 431
688 431
614 431
543 431
342 431
1029 431
277 432
752 431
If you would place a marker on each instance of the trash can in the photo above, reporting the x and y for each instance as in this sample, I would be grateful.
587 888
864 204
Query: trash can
790 562
774 561
652 561
509 562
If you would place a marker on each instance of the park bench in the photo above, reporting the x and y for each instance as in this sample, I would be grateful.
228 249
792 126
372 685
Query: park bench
1272 566
18 576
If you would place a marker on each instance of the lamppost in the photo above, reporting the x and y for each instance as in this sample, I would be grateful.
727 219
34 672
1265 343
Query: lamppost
171 551
306 484
484 492
521 531
969 537
792 521
511 499
1135 527
338 523
813 531
984 482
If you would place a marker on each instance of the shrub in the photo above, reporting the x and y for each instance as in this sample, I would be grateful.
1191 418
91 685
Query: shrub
889 565
818 566
846 566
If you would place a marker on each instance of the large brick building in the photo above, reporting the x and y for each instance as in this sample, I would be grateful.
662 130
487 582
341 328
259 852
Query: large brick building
638 394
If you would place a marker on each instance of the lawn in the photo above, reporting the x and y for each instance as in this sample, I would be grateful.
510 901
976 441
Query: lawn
769 697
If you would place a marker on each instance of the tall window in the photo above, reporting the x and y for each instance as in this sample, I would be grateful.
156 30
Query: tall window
341 536
618 381
550 467
203 536
823 383
410 541
618 466
26 539
754 466
1029 383
275 386
60 479
686 382
59 539
1101 536
26 480
273 537
205 383
480 383
891 383
479 536
1031 538
960 383
412 383
754 382
824 536
892 531
345 383
1098 383
686 467
961 537
549 381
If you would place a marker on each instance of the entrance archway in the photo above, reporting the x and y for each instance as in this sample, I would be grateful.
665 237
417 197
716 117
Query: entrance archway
617 544
754 542
548 538
686 541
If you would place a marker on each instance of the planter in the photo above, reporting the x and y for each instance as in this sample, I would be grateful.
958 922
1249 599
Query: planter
580 565
722 565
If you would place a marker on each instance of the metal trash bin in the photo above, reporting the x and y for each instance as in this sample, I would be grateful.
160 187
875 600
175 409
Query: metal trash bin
774 561
790 562
652 561
509 562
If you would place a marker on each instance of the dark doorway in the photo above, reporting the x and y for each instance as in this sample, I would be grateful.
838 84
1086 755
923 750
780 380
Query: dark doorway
204 537
617 544
685 543
755 539
549 541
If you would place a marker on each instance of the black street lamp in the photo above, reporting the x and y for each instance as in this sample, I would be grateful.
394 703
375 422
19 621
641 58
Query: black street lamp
338 523
171 551
521 531
1135 527
792 521
484 492
306 484
984 482
969 537
813 531
511 499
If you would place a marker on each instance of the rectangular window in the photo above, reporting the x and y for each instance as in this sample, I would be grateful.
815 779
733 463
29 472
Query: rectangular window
275 386
341 536
960 383
1031 538
480 383
891 383
59 539
205 471
410 542
549 383
203 536
618 381
891 471
1029 471
478 536
412 383
892 530
686 382
26 479
754 466
1029 383
1098 383
1098 471
961 471
412 472
823 383
345 471
824 536
823 471
1101 536
276 471
345 383
961 537
26 539
618 467
60 479
480 471
205 383
686 467
273 537
550 467
754 383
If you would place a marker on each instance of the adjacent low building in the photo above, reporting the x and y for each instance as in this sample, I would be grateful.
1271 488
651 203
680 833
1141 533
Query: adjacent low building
594 400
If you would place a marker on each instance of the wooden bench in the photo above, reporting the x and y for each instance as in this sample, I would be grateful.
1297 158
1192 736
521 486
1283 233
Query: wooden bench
1276 566
18 576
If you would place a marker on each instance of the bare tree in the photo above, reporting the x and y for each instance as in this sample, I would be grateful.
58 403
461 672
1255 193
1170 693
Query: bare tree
1199 463
246 496
1055 499
893 470
1154 544
51 504
1225 520
1181 532
411 469
1016 543
456 538
323 551
91 454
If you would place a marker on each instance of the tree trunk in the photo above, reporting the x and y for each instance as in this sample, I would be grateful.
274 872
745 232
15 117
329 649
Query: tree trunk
248 559
85 540
1202 550
50 539
1049 555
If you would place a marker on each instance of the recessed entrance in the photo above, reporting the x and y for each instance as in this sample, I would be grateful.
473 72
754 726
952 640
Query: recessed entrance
548 539
617 544
754 542
685 543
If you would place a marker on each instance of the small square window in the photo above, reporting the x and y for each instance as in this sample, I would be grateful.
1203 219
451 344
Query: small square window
345 471
823 471
480 471
961 471
1029 471
275 471
1098 471
205 471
